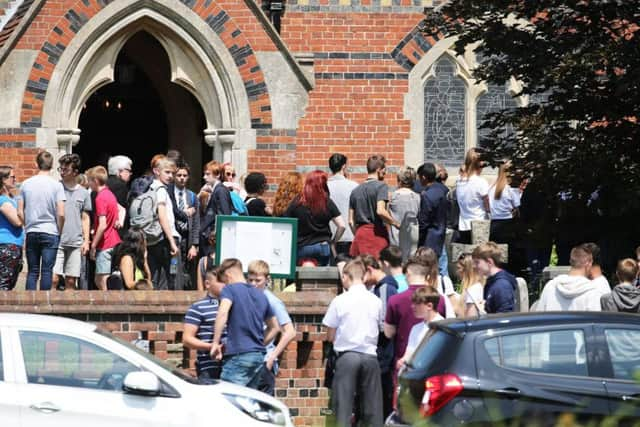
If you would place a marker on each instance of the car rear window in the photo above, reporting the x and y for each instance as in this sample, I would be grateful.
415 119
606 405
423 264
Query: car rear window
429 357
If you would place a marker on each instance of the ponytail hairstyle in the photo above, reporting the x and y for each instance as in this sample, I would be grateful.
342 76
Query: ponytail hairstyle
472 163
503 179
468 276
428 258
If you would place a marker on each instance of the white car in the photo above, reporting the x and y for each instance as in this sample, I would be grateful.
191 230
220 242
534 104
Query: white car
62 372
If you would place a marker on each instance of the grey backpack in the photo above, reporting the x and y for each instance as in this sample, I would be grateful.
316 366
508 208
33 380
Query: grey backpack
143 215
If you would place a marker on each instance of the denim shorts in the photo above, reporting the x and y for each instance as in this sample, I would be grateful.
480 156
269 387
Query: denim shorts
103 261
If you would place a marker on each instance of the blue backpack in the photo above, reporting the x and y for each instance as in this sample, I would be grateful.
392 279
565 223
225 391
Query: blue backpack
237 204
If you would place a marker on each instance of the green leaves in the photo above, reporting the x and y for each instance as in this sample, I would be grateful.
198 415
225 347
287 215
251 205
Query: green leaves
579 63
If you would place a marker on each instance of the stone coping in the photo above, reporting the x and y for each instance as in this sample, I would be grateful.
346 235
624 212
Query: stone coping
158 302
317 273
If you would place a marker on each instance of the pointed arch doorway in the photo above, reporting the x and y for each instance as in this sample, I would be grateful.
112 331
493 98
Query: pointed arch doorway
171 55
142 113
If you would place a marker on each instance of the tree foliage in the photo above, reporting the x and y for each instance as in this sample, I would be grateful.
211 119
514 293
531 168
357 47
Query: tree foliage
579 64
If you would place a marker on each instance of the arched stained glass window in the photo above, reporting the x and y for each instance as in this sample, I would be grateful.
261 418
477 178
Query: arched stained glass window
496 98
444 115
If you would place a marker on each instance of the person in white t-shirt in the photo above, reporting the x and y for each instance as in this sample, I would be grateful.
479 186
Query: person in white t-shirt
472 301
595 272
160 254
472 193
424 303
504 202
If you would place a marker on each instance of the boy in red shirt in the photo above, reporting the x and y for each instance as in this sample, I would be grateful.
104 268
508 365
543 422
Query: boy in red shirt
105 236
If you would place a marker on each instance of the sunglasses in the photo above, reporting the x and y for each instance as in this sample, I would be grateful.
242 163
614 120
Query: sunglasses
464 255
231 174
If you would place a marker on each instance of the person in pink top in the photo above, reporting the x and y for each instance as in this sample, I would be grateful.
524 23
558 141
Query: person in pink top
105 236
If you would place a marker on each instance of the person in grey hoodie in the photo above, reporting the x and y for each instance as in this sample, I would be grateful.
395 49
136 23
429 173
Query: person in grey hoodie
573 291
625 297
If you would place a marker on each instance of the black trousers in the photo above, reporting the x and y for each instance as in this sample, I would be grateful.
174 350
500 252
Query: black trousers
357 372
159 259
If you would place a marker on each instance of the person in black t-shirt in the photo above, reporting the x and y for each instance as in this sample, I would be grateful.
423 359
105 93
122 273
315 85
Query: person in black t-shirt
256 183
314 211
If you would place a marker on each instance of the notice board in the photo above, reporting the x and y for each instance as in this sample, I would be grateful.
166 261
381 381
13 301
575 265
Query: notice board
248 238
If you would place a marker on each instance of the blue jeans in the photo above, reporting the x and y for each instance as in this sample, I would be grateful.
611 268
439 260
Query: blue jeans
321 252
243 369
42 249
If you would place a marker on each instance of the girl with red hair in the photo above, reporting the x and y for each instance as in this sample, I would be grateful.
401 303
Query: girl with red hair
314 211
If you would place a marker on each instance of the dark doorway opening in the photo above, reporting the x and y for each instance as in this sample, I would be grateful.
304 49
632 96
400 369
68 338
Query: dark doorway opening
142 113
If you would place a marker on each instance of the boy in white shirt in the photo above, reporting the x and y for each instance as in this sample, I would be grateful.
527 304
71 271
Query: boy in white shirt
424 303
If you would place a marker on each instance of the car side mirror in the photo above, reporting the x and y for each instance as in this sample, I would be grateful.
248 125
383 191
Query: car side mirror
141 383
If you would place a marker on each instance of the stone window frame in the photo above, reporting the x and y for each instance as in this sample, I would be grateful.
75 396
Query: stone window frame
414 149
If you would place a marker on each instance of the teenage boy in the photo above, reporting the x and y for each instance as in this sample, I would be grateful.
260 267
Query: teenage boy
399 318
105 236
185 208
340 188
368 211
198 326
384 286
500 286
432 217
164 275
573 291
353 323
245 310
391 259
595 273
74 240
625 297
41 208
258 276
424 303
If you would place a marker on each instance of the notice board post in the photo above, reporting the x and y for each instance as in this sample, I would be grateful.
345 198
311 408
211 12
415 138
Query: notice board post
249 238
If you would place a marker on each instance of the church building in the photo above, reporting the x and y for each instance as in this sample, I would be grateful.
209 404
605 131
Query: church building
271 86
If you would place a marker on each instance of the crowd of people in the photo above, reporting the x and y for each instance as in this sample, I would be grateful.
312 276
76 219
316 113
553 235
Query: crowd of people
103 230
375 326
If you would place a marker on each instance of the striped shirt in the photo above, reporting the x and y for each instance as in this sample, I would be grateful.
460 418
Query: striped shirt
203 314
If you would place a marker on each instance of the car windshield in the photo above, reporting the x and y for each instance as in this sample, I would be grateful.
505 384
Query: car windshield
428 358
172 369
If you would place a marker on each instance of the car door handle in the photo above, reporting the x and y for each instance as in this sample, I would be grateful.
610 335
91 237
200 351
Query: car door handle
45 407
509 392
633 398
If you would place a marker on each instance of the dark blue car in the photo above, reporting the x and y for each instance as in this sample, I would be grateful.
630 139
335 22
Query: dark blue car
526 368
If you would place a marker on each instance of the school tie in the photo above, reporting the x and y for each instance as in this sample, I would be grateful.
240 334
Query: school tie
180 200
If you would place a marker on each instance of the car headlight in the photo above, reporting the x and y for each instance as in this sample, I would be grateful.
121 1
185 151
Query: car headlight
257 409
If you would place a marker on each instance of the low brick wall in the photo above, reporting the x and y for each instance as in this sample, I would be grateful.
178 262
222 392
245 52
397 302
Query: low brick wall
157 316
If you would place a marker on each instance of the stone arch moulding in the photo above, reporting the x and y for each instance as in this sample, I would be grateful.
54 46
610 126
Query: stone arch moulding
199 62
414 104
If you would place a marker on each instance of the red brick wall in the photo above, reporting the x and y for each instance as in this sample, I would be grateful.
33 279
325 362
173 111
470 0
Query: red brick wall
361 78
362 62
156 316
